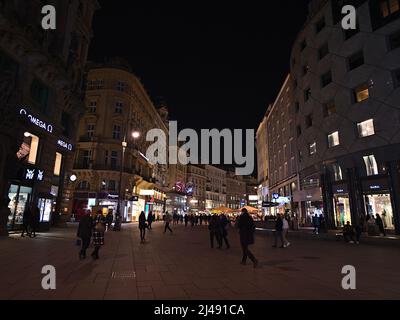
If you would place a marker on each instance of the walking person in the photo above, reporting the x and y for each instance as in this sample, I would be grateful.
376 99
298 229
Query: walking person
316 223
246 230
109 219
279 232
149 220
224 225
142 226
186 220
215 231
379 223
85 233
35 222
26 222
168 219
285 232
359 229
98 233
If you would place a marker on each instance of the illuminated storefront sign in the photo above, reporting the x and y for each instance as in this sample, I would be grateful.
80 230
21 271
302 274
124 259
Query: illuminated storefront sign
36 121
65 145
33 175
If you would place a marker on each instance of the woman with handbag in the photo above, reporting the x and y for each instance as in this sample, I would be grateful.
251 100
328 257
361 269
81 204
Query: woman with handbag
99 227
142 226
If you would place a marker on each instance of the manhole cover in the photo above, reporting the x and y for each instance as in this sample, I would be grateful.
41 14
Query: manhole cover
131 274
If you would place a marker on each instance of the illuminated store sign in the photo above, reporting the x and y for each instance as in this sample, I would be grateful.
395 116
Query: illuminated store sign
36 121
34 175
65 145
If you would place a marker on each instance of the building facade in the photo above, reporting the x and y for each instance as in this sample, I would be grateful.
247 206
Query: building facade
110 162
215 187
262 163
236 191
347 113
197 179
280 126
41 76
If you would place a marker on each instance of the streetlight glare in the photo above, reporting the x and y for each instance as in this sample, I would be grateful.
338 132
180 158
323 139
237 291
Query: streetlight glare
135 134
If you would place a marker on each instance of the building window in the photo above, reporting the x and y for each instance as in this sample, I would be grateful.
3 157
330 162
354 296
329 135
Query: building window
307 94
117 132
114 159
40 94
329 108
57 164
119 107
388 7
371 165
366 128
337 172
394 41
29 148
106 155
356 60
323 51
90 130
333 139
309 121
361 93
320 25
298 131
313 148
121 86
112 185
326 79
92 107
87 158
83 185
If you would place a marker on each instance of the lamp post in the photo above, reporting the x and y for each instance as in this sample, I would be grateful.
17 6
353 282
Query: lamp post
118 218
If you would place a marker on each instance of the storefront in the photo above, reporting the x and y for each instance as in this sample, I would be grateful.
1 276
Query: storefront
20 197
133 209
341 205
311 203
378 200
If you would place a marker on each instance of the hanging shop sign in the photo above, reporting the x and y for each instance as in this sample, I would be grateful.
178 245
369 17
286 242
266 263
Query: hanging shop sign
375 185
36 121
65 145
267 204
275 195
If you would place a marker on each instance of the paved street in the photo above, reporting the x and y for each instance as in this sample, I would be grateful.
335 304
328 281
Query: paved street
182 266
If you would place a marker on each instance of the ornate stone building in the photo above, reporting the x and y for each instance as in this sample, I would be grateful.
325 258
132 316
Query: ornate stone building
41 99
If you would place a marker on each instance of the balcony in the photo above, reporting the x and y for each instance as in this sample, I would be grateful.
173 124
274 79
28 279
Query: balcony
87 139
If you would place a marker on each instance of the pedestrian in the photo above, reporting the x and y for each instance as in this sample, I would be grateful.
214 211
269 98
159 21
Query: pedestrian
359 229
379 223
149 219
348 233
98 233
285 231
35 222
186 220
192 220
279 232
201 219
168 219
224 225
246 230
316 223
85 233
142 226
109 219
26 221
215 231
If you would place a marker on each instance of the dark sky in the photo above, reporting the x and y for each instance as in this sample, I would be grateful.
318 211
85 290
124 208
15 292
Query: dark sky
215 66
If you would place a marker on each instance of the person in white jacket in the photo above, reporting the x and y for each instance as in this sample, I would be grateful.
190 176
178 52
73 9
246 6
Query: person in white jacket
285 232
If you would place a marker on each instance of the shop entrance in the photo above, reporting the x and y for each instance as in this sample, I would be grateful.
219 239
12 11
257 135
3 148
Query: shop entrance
380 204
20 198
341 205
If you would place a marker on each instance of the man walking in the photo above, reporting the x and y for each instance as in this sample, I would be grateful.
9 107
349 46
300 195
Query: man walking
278 232
246 231
168 219
85 233
150 219
26 221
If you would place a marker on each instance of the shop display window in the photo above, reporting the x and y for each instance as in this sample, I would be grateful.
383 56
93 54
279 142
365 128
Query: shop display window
19 199
381 204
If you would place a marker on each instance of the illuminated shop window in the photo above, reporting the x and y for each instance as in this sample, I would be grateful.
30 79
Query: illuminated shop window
388 7
337 172
366 128
371 165
28 150
333 139
57 164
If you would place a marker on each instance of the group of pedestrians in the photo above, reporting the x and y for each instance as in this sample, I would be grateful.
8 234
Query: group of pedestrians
91 228
145 223
218 230
281 231
30 221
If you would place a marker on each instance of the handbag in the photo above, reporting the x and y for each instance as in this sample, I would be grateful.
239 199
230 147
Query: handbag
99 227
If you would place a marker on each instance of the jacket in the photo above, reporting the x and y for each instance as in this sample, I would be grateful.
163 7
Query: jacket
246 229
279 224
85 227
98 236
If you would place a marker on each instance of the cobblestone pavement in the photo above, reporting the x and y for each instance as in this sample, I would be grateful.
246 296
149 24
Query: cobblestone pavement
183 266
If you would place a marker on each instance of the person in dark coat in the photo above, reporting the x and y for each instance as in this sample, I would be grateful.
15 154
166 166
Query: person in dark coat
379 223
85 233
26 221
215 231
279 231
142 226
246 230
98 233
316 223
149 219
35 221
186 220
224 225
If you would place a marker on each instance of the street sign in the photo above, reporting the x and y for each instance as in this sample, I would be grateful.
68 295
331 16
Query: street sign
267 204
275 195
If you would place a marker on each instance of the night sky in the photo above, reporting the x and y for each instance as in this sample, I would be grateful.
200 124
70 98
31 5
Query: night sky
214 66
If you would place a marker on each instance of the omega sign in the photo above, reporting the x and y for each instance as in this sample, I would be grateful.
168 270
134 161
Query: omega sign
36 121
64 145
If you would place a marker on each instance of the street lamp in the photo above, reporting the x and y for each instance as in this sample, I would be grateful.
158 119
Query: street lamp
117 225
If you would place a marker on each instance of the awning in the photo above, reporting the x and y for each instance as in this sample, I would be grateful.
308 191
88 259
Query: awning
145 185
